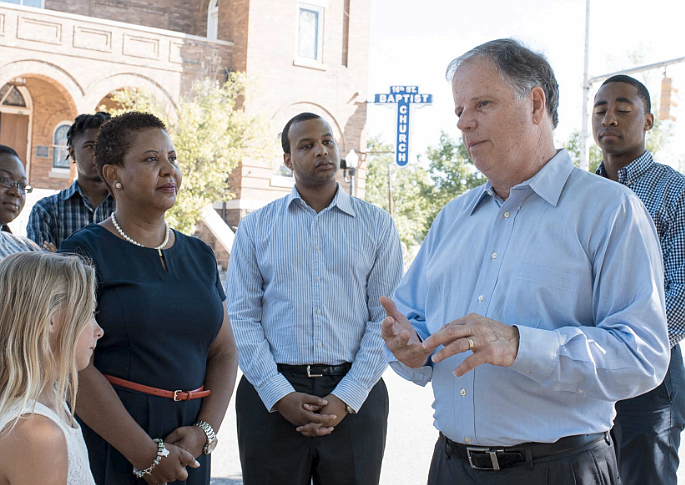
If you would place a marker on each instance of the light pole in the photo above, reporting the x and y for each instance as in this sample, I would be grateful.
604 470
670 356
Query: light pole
349 167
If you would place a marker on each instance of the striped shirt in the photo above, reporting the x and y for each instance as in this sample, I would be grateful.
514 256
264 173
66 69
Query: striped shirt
662 191
55 218
10 244
304 289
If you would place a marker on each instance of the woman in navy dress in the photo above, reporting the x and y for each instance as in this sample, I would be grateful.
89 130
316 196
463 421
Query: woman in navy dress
161 304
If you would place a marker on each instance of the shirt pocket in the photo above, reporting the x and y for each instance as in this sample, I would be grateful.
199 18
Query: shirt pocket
540 296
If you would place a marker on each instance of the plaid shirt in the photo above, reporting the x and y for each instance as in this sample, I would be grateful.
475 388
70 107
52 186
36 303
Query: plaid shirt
58 216
662 190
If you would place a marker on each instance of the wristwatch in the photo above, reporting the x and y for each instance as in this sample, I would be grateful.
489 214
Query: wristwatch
349 409
212 440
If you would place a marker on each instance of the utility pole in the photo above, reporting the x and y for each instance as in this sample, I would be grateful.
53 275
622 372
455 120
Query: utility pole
390 189
584 150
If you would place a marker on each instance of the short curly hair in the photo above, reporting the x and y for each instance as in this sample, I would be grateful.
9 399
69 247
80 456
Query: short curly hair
115 137
86 122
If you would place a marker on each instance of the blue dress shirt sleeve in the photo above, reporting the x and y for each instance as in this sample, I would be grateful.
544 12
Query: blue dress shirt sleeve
244 284
626 351
369 363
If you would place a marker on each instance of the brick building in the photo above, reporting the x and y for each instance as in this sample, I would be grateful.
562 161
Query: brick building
60 58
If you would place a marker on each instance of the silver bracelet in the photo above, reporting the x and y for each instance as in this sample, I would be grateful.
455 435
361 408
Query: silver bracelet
161 453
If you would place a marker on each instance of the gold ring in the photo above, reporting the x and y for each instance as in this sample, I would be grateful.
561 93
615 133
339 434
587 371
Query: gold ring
470 340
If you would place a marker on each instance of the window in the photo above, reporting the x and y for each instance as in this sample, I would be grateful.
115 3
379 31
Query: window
27 3
59 147
310 33
10 96
213 20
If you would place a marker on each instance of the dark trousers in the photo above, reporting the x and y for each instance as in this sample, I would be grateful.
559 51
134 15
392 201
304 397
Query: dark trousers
273 453
647 430
594 464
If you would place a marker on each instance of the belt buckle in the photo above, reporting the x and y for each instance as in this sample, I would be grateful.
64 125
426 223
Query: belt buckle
176 398
492 453
309 372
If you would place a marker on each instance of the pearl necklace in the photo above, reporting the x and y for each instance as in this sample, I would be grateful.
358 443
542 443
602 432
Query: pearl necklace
123 234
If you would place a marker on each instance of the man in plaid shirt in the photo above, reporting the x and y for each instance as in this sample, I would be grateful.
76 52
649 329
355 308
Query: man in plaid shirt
55 218
647 428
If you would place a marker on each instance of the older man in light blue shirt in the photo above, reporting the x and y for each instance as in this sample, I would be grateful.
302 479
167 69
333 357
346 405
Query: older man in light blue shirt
536 301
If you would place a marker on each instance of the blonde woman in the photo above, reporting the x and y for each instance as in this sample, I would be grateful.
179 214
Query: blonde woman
47 334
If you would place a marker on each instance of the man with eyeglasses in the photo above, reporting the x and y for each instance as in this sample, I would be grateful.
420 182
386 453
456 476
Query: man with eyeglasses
13 190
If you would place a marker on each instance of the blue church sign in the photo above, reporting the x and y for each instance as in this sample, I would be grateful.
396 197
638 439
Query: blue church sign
404 97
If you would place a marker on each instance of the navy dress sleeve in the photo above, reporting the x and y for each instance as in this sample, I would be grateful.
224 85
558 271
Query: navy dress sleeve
159 325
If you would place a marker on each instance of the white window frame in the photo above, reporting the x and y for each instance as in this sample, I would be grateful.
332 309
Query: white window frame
59 172
213 20
320 8
21 2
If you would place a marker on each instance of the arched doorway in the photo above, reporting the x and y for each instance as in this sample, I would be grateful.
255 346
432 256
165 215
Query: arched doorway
15 118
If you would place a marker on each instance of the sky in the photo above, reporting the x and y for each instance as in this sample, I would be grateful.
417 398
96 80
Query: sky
412 42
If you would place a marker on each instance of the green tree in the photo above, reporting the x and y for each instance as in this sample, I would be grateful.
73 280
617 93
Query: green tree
409 207
572 145
451 173
419 193
211 134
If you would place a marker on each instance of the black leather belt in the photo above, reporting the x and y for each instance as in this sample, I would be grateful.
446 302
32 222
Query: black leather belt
498 457
316 370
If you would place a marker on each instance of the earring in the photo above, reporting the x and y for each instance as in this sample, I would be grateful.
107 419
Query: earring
118 185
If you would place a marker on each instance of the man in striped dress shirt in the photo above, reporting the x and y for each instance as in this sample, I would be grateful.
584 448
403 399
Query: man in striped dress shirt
304 282
647 428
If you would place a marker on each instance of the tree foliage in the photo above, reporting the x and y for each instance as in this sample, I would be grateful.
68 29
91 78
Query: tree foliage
419 193
409 207
211 134
451 172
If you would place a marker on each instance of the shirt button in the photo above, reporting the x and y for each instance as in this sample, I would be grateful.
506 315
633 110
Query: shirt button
320 344
494 255
317 248
318 278
506 215
467 439
480 298
629 183
462 392
318 312
580 391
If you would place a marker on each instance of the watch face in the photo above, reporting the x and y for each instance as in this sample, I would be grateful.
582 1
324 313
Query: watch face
209 447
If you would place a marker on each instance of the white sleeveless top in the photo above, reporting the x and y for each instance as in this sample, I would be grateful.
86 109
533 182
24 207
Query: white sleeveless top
79 468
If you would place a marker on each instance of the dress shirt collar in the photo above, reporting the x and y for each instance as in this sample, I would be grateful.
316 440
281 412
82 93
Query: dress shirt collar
70 191
342 200
548 183
633 171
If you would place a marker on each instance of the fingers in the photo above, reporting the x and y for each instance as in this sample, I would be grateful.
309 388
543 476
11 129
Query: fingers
311 407
456 347
469 363
313 429
448 334
174 437
314 400
389 306
186 459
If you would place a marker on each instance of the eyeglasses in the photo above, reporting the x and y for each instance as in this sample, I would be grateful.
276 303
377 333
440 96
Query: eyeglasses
21 187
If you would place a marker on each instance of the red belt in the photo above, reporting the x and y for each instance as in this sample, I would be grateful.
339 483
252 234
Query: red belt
175 395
